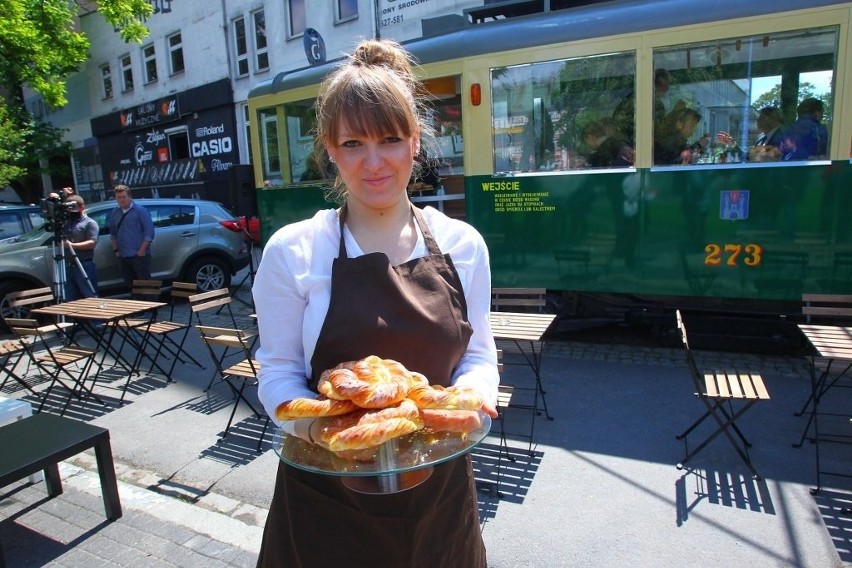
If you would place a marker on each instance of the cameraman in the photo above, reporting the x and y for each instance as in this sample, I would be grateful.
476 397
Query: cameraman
81 236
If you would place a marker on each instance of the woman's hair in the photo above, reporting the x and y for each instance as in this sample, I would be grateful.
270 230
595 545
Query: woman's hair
376 91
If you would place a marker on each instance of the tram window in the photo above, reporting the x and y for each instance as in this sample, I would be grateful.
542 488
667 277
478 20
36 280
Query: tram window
301 124
269 147
543 113
759 98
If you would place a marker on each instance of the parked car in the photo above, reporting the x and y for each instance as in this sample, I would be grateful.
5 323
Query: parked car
18 219
195 241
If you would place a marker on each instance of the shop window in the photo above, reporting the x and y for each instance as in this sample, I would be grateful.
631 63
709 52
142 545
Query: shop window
178 143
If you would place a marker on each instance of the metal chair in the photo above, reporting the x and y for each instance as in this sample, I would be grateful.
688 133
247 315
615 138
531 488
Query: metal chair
22 301
161 331
11 351
214 307
719 390
56 362
223 343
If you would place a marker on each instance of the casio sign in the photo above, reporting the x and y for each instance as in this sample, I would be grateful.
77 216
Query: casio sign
212 146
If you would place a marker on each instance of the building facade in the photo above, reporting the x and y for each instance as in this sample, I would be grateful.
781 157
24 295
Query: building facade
168 116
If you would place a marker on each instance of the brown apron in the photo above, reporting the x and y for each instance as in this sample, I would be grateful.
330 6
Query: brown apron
416 314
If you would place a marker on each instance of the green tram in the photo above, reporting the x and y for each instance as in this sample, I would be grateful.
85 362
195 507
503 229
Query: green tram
516 103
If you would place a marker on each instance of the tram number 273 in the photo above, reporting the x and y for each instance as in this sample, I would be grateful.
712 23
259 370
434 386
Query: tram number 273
731 254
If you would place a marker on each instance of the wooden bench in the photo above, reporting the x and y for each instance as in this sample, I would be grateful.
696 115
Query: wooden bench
40 442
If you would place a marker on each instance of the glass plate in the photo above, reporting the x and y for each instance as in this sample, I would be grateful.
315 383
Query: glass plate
419 450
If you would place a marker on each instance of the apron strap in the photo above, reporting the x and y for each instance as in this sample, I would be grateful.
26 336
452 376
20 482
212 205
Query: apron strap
431 243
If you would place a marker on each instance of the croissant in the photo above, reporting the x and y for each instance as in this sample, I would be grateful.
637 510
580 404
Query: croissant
363 436
313 408
460 421
449 398
370 383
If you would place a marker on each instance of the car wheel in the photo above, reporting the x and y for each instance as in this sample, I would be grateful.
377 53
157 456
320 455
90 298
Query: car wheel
209 273
5 310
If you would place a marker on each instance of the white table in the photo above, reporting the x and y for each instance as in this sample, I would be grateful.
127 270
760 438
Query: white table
12 409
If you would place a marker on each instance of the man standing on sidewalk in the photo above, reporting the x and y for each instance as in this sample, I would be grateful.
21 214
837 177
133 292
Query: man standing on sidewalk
81 237
131 232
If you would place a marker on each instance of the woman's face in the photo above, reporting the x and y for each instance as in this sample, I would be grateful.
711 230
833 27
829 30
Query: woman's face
376 170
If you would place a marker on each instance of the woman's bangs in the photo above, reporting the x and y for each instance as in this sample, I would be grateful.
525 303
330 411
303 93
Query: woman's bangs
373 112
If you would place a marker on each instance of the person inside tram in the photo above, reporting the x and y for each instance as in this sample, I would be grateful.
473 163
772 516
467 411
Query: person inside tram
624 115
671 138
607 150
767 145
807 138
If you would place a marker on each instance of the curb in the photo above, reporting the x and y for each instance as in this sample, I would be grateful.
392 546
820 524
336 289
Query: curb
219 526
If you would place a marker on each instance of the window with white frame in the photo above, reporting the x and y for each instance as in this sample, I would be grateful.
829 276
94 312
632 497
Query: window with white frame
175 43
297 21
347 10
241 47
126 73
149 63
261 54
106 81
245 150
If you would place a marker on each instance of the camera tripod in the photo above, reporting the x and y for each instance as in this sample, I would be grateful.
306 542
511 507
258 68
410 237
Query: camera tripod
60 276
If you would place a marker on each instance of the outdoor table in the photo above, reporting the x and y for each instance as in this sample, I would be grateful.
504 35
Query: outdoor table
833 343
111 312
526 331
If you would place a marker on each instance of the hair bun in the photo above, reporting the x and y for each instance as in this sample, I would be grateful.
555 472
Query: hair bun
373 53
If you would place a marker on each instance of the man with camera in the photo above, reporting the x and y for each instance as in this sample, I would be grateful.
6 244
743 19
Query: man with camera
81 237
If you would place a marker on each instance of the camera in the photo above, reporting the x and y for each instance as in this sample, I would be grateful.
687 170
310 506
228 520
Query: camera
55 213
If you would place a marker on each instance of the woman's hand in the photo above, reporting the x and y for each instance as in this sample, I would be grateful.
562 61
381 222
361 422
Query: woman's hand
489 409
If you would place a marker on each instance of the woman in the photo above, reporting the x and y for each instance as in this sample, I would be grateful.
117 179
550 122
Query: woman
375 277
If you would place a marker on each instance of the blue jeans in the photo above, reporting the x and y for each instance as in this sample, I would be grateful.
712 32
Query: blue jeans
76 286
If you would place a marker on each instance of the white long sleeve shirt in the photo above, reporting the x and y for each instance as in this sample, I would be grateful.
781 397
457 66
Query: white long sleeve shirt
292 290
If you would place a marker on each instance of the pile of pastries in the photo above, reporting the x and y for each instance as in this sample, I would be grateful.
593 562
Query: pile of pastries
368 402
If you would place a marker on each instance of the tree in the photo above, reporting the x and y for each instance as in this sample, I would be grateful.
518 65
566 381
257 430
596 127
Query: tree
40 48
772 97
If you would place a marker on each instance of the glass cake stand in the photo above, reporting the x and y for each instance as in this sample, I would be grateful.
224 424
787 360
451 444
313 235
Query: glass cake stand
396 465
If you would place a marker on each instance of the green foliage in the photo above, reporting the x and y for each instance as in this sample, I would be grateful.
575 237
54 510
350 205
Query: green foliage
11 144
40 47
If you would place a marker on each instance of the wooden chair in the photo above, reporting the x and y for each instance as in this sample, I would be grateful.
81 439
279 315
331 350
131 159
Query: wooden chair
828 372
21 302
162 330
504 401
719 390
56 362
518 300
136 331
530 303
214 308
828 329
11 351
222 343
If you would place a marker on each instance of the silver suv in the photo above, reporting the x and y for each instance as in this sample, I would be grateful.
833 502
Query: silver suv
195 241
